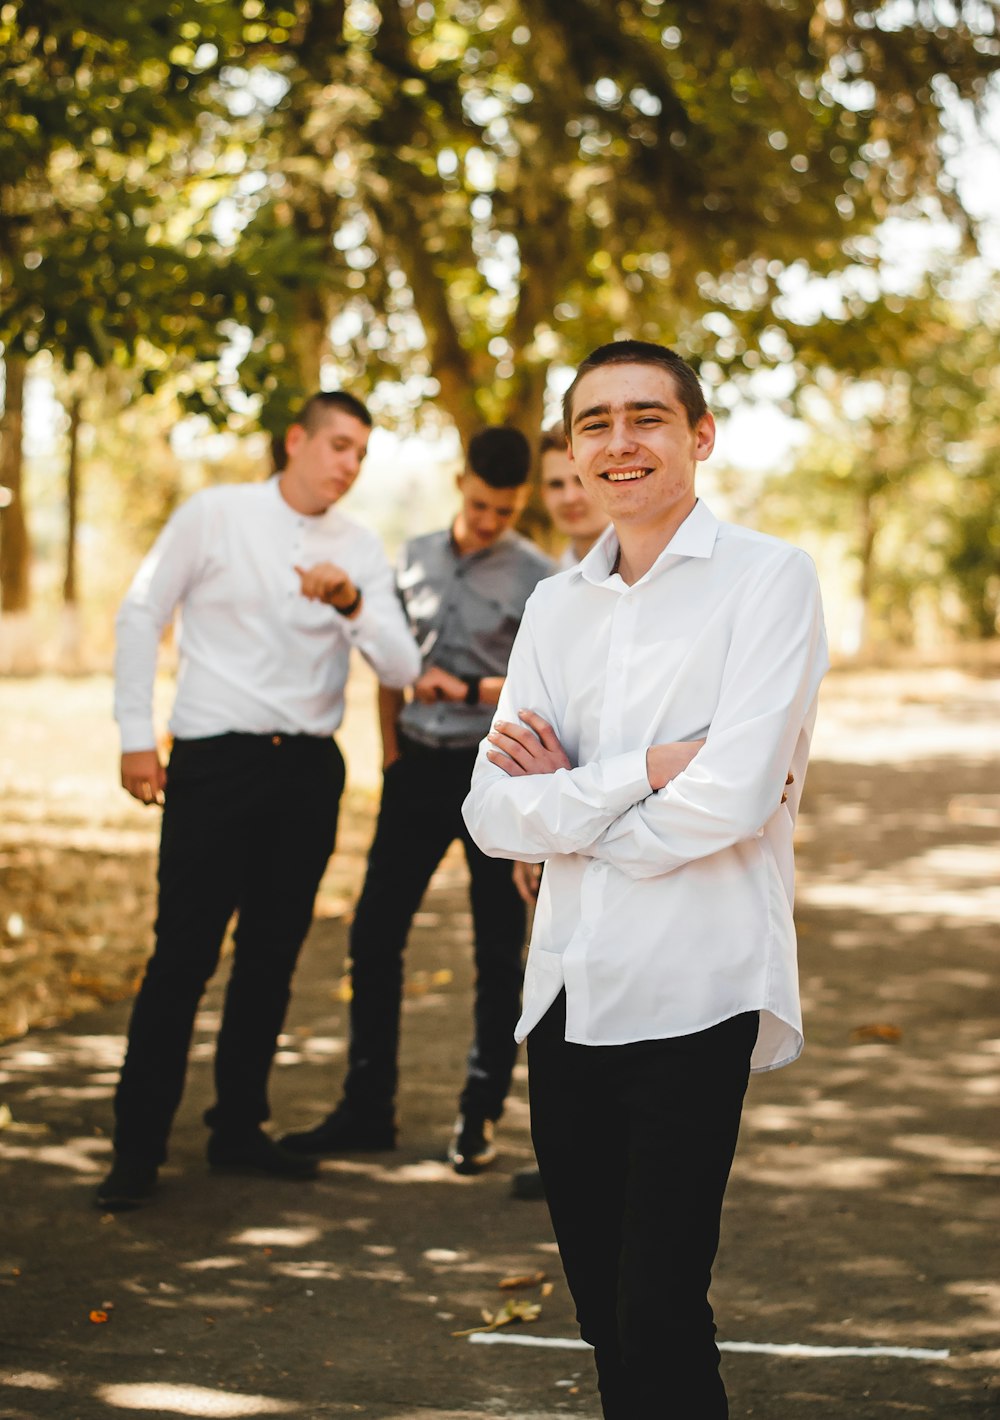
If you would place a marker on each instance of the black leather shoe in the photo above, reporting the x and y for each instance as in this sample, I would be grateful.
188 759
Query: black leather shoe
527 1184
472 1148
257 1153
130 1184
341 1132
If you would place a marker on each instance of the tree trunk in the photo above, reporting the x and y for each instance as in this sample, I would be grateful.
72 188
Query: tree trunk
309 343
71 630
18 642
72 500
866 580
15 550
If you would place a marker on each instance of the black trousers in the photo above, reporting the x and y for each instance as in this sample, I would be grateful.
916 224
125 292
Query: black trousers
248 826
419 818
635 1143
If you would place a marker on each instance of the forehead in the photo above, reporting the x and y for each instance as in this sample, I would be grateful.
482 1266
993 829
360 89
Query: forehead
477 490
615 386
338 424
555 463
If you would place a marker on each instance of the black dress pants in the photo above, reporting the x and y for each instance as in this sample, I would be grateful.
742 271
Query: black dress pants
249 823
635 1143
419 818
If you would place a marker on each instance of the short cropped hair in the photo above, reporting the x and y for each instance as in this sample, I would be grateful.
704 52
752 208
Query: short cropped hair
643 352
500 456
317 406
553 440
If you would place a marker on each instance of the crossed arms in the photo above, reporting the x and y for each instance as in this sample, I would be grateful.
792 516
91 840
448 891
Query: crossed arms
645 811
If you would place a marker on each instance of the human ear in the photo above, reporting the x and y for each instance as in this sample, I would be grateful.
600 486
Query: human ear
704 436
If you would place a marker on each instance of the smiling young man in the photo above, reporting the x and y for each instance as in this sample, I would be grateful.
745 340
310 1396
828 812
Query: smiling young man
463 589
275 586
655 698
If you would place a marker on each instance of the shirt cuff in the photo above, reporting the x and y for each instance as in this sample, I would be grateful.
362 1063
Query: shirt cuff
137 736
356 626
625 781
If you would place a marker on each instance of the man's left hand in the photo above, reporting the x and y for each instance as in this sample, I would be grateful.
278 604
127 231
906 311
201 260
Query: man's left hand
437 684
530 748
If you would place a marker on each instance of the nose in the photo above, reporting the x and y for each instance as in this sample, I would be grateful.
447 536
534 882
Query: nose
622 438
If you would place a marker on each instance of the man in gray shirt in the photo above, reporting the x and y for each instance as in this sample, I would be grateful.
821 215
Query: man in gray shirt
463 590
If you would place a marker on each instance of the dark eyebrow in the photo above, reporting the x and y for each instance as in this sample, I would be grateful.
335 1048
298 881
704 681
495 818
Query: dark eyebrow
633 406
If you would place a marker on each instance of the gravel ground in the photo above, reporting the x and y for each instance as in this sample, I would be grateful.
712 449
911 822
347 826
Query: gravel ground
862 1207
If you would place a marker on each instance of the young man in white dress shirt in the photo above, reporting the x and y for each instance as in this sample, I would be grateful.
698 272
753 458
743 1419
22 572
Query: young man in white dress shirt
275 586
656 697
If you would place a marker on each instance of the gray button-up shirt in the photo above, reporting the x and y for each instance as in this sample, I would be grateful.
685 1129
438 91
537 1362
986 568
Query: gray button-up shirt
464 613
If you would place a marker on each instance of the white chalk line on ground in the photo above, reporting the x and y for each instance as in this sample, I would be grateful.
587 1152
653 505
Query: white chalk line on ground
757 1348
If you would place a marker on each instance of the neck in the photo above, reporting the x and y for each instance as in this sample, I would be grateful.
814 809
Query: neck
465 544
639 547
297 500
581 546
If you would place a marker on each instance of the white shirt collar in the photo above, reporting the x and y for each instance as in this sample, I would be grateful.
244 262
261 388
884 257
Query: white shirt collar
694 538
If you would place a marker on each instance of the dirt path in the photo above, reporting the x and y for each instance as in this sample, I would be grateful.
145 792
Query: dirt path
861 1212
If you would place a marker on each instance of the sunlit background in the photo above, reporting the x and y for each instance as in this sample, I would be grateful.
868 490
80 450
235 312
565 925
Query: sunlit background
210 208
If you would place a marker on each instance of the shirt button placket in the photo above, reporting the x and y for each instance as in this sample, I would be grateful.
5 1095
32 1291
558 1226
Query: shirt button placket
617 677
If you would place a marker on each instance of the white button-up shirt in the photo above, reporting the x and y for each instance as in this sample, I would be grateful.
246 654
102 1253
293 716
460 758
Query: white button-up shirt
255 655
663 913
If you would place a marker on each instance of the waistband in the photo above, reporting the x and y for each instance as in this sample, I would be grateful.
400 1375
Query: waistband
274 738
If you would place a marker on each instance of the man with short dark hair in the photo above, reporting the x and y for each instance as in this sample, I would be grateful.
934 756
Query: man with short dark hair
463 589
655 698
275 586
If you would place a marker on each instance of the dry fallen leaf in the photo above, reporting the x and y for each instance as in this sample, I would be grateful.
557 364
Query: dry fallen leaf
512 1311
528 1279
877 1031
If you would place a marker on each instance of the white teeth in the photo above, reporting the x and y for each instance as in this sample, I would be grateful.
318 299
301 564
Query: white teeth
622 475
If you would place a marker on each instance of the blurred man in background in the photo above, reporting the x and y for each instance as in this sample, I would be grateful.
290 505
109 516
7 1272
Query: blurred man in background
463 589
275 586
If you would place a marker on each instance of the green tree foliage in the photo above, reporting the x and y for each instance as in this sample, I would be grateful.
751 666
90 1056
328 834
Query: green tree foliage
110 172
107 189
902 465
509 182
443 199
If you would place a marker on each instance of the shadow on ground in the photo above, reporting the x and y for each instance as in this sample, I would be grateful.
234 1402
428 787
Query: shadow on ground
861 1211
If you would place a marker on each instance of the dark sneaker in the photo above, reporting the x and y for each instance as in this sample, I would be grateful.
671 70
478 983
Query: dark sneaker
472 1148
257 1153
341 1132
527 1184
130 1184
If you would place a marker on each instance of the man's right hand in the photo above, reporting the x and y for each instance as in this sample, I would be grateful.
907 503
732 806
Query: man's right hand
527 877
144 776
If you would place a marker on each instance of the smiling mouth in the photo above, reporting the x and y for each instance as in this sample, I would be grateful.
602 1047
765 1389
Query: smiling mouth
625 475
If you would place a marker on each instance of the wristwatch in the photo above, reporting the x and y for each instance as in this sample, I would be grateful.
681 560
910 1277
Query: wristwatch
471 689
351 606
